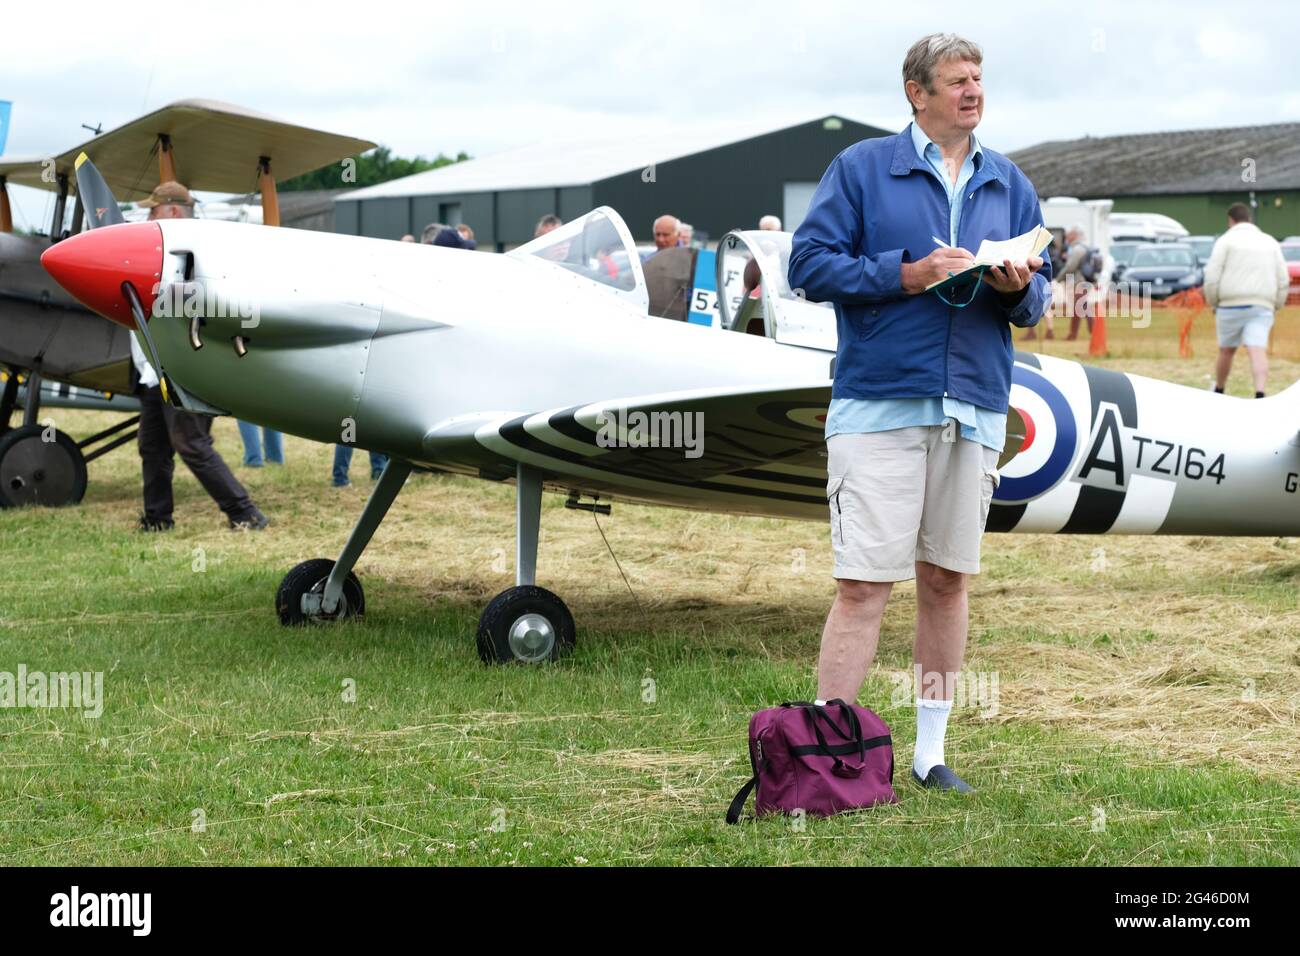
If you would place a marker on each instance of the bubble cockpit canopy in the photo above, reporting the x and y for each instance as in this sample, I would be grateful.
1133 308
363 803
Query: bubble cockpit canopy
597 246
754 294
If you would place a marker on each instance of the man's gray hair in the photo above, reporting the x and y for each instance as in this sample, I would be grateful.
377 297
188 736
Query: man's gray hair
929 51
431 232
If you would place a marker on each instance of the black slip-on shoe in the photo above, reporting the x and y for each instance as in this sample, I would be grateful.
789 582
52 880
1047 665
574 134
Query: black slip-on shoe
154 524
941 778
253 521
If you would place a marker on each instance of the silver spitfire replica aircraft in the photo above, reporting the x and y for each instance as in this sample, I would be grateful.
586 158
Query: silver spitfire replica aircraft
557 379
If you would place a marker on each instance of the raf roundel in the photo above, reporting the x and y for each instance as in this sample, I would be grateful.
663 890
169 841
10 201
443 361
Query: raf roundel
1051 438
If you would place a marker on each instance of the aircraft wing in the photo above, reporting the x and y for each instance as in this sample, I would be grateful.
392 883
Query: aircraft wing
216 148
25 171
750 451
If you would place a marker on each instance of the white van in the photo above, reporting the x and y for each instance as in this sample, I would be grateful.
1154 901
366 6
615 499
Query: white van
1092 215
1145 227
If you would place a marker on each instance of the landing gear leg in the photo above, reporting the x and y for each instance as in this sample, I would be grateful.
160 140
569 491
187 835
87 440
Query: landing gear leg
32 407
322 590
9 399
526 623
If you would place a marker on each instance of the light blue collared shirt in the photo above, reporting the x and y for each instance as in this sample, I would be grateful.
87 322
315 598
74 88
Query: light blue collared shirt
928 151
858 415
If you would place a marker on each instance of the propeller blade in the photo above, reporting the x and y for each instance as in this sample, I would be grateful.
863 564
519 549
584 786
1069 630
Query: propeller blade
96 198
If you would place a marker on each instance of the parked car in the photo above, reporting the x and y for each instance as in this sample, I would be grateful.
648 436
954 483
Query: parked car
1202 246
1164 268
1122 253
1291 253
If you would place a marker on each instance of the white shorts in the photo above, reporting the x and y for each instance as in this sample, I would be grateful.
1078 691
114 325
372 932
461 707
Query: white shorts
906 495
1243 325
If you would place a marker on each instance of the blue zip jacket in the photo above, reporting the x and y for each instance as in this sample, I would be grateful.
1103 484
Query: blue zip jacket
876 208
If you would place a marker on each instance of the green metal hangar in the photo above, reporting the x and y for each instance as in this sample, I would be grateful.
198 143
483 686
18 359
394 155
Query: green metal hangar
1192 175
715 179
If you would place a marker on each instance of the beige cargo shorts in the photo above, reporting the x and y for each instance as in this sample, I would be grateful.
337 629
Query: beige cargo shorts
906 495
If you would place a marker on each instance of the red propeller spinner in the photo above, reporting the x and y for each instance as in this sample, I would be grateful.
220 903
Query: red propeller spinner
93 265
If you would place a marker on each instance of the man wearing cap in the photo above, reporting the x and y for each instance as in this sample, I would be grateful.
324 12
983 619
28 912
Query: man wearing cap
166 430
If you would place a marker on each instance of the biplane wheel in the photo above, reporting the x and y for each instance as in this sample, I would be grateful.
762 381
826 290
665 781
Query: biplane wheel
37 471
525 624
308 578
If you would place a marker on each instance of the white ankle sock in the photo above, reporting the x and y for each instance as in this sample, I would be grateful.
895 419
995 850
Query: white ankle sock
931 724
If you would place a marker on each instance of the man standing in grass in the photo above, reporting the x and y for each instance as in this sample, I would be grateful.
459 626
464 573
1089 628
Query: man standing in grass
918 409
1246 280
166 431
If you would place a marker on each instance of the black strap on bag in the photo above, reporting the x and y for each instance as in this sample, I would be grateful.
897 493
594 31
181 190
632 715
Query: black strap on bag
738 801
856 742
851 715
853 737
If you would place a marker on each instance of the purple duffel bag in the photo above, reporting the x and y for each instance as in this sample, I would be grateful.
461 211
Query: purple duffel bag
821 760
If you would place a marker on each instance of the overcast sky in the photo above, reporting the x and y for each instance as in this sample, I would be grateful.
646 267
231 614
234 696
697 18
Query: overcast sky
483 77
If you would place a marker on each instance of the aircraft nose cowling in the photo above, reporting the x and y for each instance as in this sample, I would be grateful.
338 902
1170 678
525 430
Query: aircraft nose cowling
93 265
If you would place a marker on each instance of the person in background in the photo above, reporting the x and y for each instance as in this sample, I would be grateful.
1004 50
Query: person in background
1076 255
343 464
546 224
431 232
665 230
451 239
166 431
770 223
685 234
257 437
1245 281
1056 253
408 238
1057 257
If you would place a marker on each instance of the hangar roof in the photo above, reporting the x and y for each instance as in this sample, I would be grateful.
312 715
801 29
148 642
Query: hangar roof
576 162
1184 161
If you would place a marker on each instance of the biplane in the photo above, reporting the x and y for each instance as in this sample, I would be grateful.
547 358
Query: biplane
46 336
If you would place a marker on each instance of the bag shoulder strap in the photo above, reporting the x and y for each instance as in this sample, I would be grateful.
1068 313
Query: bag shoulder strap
738 802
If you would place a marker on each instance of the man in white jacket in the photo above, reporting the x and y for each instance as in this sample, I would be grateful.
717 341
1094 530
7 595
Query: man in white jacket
1245 281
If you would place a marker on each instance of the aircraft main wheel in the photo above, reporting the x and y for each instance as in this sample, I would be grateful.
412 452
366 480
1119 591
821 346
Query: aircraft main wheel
525 624
307 580
34 471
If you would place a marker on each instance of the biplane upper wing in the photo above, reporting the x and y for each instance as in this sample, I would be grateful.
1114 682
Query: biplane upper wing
25 171
217 146
751 451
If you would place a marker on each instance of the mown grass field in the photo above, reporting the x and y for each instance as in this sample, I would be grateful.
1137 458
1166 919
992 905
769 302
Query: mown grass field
1147 708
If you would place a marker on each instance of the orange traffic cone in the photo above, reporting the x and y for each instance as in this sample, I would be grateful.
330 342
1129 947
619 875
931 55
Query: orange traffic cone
1097 344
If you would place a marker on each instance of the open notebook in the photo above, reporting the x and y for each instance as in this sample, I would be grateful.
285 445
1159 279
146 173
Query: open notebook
994 253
